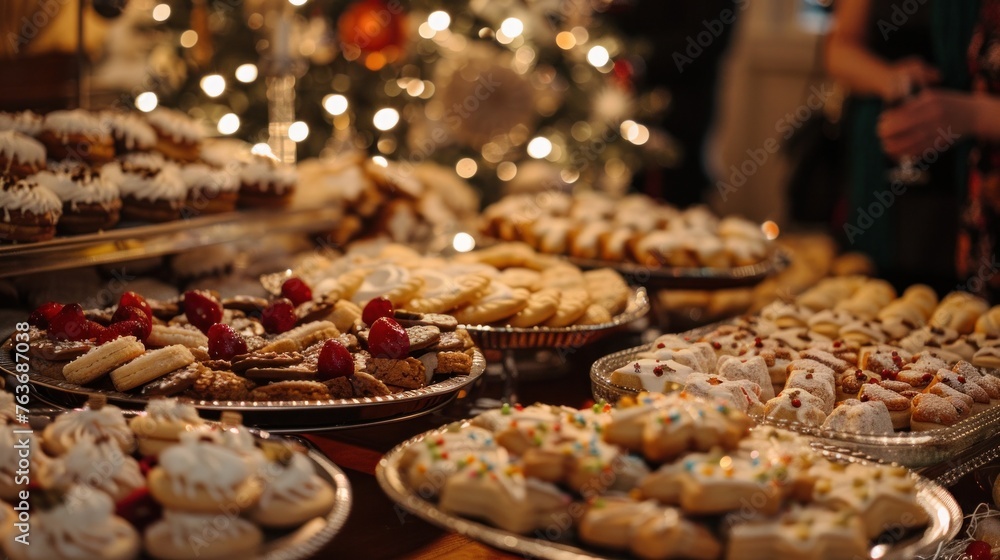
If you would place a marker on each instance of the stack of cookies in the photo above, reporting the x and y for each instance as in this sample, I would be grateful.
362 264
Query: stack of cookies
244 348
635 229
848 355
660 476
79 172
155 485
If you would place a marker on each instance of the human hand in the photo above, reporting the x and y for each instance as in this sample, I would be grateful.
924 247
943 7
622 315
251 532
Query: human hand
906 75
934 120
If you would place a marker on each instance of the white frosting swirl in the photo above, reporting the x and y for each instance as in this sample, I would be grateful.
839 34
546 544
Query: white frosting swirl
25 122
131 130
78 184
195 464
379 281
101 466
77 121
186 528
83 526
297 481
264 170
148 183
17 147
107 422
172 410
205 178
178 126
27 196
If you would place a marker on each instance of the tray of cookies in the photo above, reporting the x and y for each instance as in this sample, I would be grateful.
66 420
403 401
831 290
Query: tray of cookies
165 483
506 296
906 379
661 476
285 364
650 243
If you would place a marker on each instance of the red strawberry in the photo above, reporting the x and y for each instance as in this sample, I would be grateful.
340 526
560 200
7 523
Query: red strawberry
979 550
68 324
132 299
378 307
224 342
40 317
296 290
123 328
279 316
202 310
129 313
95 330
387 339
139 508
335 361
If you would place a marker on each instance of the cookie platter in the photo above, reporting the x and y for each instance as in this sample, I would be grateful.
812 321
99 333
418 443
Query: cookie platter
560 540
524 338
279 416
912 449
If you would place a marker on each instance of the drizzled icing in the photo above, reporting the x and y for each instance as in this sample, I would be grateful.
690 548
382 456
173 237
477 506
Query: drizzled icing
296 481
65 123
264 170
742 395
27 196
379 281
654 375
67 429
129 129
15 146
442 455
102 466
195 465
202 177
79 184
25 122
139 178
83 526
176 125
186 528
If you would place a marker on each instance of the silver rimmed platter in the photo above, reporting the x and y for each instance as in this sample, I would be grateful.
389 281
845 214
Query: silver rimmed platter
689 278
278 416
912 449
514 338
944 513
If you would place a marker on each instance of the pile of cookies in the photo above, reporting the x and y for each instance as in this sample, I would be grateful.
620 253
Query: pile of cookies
164 484
508 284
660 476
636 228
404 202
80 172
292 348
847 355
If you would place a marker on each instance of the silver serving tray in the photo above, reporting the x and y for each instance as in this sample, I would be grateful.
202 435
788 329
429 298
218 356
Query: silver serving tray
944 512
276 416
521 338
702 278
912 449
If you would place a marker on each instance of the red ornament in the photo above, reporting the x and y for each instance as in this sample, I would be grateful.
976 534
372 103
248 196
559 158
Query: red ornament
623 73
372 25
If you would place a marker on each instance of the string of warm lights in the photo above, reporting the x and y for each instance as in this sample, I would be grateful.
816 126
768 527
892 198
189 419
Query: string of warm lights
490 88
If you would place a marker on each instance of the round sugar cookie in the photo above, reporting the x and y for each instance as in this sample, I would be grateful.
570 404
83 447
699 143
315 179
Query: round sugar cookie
542 305
499 303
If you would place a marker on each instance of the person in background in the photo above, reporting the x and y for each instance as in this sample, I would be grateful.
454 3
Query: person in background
884 56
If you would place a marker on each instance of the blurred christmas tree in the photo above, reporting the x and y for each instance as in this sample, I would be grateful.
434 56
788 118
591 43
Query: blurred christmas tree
525 91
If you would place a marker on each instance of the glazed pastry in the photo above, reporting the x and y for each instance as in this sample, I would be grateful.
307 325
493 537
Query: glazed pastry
163 423
76 135
178 136
30 211
898 405
855 417
105 422
201 476
803 532
933 412
210 191
742 395
131 133
435 459
82 524
885 497
266 183
185 534
20 155
28 123
151 189
796 405
657 376
91 201
293 493
100 465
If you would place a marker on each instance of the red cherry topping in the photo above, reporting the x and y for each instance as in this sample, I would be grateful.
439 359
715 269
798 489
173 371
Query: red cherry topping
796 403
139 508
927 377
334 361
387 339
864 398
123 328
979 550
378 307
296 290
961 379
129 313
279 316
860 374
661 345
132 299
40 317
68 324
758 342
837 344
658 371
224 342
202 310
716 345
